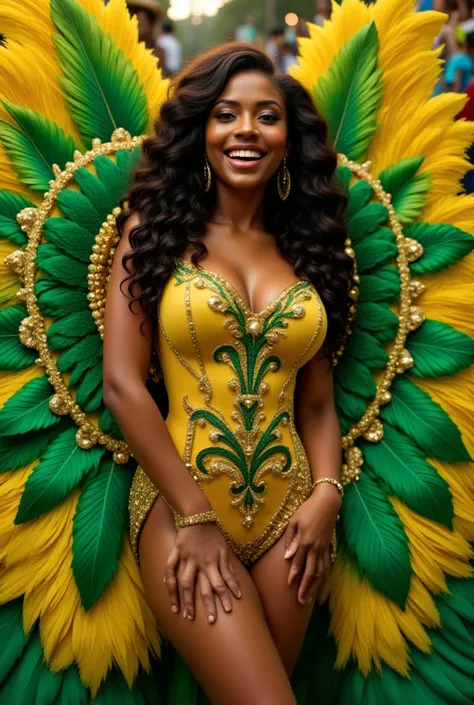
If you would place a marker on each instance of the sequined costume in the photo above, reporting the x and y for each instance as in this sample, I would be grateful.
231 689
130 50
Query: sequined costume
230 376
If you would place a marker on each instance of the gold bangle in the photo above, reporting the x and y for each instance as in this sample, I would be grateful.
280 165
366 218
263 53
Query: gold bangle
203 518
331 481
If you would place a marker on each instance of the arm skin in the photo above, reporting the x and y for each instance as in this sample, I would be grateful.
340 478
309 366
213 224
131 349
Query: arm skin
127 352
309 532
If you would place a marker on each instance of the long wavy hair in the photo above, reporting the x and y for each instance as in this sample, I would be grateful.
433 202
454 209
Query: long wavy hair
169 197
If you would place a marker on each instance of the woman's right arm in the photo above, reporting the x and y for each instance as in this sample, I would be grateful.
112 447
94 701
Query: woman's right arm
127 353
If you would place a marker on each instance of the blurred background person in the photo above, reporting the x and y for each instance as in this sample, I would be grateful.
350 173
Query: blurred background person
247 32
274 45
460 65
149 14
171 48
323 12
288 55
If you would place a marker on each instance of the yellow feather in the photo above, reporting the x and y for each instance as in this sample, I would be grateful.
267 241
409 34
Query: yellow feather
11 382
115 19
9 178
9 282
456 210
442 303
460 478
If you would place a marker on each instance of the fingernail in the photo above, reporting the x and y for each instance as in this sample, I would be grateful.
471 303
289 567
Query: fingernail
228 608
164 579
174 608
190 616
239 594
185 614
211 618
287 553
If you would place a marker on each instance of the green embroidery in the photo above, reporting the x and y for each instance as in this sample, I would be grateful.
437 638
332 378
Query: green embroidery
249 453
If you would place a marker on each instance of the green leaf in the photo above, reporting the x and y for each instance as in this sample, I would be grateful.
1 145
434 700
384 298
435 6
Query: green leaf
61 267
378 320
443 245
80 209
402 470
34 144
355 377
375 250
12 636
102 88
383 284
28 409
13 354
18 451
60 470
407 188
376 539
69 237
99 529
57 301
415 413
359 196
366 221
66 331
10 205
439 349
349 94
366 348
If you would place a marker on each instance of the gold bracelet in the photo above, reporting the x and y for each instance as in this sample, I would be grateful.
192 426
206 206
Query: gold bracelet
331 481
203 518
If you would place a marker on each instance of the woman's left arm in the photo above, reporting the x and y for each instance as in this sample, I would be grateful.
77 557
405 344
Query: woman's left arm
309 533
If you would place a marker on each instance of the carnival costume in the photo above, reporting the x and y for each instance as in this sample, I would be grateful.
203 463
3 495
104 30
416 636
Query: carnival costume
397 620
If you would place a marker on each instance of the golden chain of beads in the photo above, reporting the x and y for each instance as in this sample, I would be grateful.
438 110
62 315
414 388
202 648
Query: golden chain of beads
410 318
33 329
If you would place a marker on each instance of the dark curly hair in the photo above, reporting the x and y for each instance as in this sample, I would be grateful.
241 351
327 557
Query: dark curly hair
168 190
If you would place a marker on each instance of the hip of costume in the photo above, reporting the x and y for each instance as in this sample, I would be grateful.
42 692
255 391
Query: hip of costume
230 375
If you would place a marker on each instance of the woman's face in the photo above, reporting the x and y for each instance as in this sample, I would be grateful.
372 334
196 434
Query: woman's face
246 133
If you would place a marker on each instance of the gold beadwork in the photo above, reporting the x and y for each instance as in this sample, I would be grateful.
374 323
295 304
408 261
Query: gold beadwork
284 182
330 481
16 262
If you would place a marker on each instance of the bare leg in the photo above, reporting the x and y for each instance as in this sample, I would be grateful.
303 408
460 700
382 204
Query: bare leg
286 618
235 659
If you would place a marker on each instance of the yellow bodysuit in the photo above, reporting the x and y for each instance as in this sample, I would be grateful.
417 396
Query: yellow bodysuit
230 377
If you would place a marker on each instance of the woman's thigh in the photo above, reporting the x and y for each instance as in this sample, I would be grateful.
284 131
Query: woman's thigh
287 619
235 659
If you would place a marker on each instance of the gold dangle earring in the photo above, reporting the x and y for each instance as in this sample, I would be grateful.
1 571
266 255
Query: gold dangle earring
207 175
284 182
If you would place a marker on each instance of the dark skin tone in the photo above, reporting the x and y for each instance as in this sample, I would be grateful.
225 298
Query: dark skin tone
199 591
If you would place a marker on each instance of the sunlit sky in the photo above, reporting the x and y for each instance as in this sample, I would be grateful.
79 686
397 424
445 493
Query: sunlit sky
180 9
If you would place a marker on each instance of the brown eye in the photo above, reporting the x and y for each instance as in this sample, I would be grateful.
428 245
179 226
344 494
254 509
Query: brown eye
269 117
225 116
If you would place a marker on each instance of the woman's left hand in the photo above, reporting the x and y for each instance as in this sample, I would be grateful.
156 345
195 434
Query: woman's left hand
308 540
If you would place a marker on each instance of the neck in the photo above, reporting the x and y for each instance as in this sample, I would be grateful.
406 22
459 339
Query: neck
240 208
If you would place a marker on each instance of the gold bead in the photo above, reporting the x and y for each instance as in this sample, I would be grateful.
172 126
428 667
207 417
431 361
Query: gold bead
413 249
120 457
375 433
16 261
416 318
59 405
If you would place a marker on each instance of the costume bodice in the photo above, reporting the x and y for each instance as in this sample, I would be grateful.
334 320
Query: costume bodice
230 376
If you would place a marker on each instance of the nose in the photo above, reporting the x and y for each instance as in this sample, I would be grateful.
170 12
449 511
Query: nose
246 127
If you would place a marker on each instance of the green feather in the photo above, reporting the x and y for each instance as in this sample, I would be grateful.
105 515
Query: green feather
349 94
342 179
12 636
80 209
28 409
10 205
439 349
95 191
72 691
378 320
22 683
34 144
376 539
59 471
108 424
13 354
69 237
446 650
355 377
66 331
18 451
57 301
8 290
115 691
366 221
353 687
379 249
89 390
102 88
116 181
400 467
443 245
366 348
85 354
415 413
445 680
184 688
359 196
128 160
381 285
49 686
407 188
350 405
60 267
100 524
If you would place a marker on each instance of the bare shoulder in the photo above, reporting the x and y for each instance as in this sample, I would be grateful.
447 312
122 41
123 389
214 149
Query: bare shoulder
131 222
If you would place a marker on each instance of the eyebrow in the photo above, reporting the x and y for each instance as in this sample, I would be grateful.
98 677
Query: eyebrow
226 101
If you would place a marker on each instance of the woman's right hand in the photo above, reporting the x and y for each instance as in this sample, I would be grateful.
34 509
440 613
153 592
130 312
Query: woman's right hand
201 557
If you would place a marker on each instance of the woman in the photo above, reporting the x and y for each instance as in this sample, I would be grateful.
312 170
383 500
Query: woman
231 267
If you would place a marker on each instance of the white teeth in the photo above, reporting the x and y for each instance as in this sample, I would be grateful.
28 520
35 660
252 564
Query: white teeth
236 153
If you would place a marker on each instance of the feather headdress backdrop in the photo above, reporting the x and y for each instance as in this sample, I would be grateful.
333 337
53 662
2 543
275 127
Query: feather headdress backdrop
76 95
